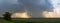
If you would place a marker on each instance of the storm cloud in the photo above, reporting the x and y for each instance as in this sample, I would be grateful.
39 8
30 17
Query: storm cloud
35 7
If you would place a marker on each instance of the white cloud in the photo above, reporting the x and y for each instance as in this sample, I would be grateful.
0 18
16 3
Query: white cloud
55 3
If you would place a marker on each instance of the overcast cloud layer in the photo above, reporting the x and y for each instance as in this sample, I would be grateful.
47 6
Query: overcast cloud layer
34 6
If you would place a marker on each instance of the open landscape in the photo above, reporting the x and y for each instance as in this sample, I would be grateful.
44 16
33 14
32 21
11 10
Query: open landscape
30 11
34 20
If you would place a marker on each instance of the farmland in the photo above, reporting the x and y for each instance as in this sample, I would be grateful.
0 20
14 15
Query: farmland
35 20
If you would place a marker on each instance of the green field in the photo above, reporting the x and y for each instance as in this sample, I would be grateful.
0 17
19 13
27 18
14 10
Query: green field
5 21
33 21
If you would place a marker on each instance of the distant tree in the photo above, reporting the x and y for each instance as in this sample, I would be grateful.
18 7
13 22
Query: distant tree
7 16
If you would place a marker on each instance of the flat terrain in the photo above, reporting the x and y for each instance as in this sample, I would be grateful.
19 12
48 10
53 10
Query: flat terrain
0 20
35 20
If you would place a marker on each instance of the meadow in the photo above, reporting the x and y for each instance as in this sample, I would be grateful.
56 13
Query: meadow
42 20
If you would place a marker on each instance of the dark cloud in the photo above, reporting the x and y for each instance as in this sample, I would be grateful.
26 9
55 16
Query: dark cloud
35 7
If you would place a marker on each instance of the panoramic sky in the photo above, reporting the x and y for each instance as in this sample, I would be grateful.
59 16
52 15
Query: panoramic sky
7 5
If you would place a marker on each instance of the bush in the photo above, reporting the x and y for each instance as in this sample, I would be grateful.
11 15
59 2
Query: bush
7 16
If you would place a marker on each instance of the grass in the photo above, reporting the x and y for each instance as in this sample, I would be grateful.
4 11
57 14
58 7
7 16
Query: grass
5 21
33 21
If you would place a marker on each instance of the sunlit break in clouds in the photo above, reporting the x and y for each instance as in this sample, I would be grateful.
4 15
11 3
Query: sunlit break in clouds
56 9
56 5
20 15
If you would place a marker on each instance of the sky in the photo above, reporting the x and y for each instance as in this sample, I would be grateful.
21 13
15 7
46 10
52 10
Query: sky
31 5
35 5
56 3
56 6
6 6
